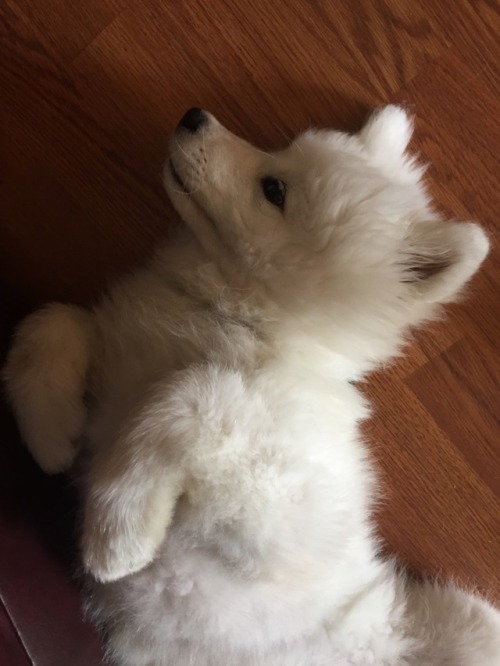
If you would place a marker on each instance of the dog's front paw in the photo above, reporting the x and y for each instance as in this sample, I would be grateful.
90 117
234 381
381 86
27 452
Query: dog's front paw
109 557
123 532
127 512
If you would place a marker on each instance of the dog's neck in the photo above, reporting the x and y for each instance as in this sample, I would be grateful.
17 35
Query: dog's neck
322 339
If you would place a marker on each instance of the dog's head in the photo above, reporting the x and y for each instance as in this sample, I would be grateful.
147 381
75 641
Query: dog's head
336 222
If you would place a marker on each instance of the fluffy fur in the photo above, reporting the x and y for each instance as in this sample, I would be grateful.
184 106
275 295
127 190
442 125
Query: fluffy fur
228 492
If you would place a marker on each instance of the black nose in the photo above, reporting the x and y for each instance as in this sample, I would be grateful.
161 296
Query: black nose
193 119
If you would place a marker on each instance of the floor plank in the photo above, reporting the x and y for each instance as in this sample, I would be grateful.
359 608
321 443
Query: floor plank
458 390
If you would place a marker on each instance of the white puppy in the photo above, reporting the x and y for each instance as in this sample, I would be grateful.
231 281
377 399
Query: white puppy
228 492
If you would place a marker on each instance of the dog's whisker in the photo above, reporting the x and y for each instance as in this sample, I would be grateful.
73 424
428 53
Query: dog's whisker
288 138
297 145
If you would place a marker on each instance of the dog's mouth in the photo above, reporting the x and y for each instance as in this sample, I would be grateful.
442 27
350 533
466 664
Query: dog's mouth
177 178
193 199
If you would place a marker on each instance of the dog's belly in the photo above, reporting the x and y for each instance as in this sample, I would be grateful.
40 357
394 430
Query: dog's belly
188 603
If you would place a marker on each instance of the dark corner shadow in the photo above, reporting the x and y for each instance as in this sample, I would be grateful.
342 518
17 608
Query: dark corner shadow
46 505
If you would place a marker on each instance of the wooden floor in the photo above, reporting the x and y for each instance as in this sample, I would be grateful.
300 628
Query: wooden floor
90 90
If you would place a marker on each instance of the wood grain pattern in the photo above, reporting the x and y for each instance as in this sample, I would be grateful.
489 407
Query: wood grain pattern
90 91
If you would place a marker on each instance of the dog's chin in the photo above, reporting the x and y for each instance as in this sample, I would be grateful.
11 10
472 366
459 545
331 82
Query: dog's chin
191 211
176 178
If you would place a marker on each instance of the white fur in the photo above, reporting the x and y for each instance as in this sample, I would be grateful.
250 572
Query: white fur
46 377
228 493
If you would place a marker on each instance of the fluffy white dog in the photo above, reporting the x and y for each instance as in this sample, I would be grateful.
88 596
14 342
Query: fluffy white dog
227 494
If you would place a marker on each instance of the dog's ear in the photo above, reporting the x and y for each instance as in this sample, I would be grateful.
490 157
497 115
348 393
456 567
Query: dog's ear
387 134
440 258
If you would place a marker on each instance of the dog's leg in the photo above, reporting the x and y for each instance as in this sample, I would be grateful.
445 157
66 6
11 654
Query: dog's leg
398 621
452 626
45 378
131 492
135 480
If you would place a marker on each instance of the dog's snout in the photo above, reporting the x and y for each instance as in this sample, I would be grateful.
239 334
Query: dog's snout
193 119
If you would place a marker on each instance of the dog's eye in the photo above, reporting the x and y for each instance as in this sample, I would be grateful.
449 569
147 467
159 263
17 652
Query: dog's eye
274 190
